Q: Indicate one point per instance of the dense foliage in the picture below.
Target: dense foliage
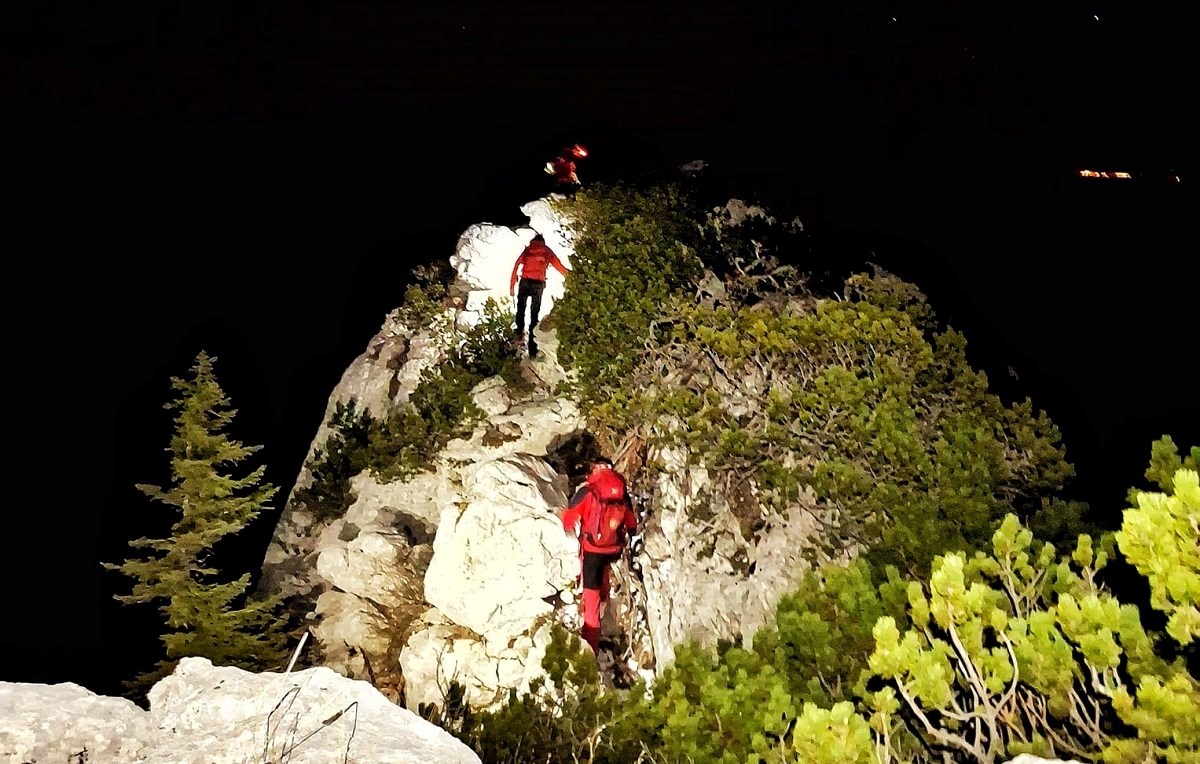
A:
(634, 252)
(1161, 538)
(566, 716)
(206, 614)
(1025, 651)
(854, 407)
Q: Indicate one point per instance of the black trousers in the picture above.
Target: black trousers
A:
(594, 570)
(529, 291)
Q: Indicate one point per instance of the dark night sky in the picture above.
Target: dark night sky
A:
(257, 179)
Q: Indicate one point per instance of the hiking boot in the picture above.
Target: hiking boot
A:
(533, 350)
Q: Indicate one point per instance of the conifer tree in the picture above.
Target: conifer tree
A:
(206, 615)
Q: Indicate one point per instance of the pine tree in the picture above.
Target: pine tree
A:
(205, 615)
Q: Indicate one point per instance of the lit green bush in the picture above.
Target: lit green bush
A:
(1024, 651)
(634, 252)
(857, 402)
(565, 716)
(440, 407)
(822, 633)
(344, 454)
(1161, 538)
(409, 439)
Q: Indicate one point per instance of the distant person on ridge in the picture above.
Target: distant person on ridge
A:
(601, 516)
(530, 267)
(562, 168)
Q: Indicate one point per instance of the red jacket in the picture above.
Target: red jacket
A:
(563, 171)
(532, 263)
(562, 167)
(573, 516)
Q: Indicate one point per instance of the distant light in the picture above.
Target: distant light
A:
(1097, 18)
(1119, 174)
(893, 18)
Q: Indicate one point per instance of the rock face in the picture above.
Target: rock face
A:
(501, 567)
(704, 571)
(66, 722)
(453, 573)
(460, 573)
(202, 714)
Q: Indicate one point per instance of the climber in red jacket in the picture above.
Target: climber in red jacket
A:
(563, 168)
(602, 517)
(531, 265)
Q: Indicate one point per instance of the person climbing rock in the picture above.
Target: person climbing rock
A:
(563, 168)
(601, 516)
(530, 270)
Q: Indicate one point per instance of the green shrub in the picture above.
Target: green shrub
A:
(634, 251)
(1021, 651)
(426, 295)
(821, 636)
(857, 399)
(1161, 538)
(409, 439)
(564, 717)
(440, 408)
(345, 453)
(854, 402)
(722, 708)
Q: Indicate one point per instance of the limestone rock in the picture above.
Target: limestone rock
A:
(458, 573)
(64, 722)
(497, 560)
(203, 714)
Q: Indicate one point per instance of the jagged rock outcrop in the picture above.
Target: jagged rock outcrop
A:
(203, 714)
(459, 573)
(472, 546)
(705, 570)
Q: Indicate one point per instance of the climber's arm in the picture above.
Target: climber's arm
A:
(558, 266)
(512, 282)
(570, 518)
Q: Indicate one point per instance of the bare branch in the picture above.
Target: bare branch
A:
(940, 736)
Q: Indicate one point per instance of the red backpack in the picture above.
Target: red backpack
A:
(603, 516)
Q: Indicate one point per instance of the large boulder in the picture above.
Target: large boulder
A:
(68, 723)
(203, 714)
